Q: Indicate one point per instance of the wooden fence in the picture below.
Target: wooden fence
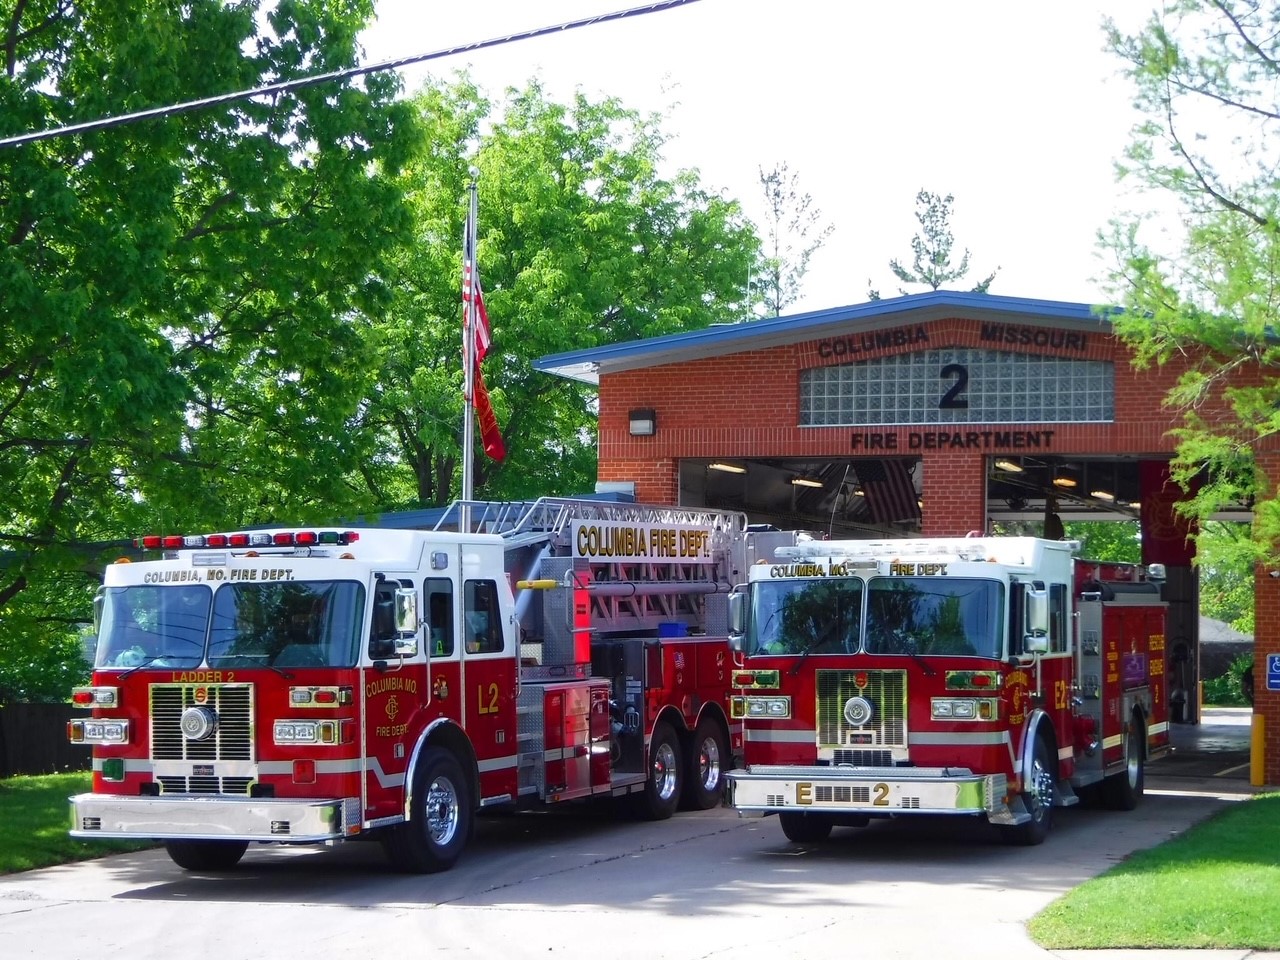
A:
(33, 739)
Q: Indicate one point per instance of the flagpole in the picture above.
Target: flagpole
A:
(468, 354)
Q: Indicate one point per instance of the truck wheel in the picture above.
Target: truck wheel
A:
(704, 781)
(1123, 790)
(441, 819)
(206, 856)
(661, 794)
(805, 827)
(1038, 798)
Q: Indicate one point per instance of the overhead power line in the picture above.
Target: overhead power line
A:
(289, 85)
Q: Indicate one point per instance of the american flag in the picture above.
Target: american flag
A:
(473, 310)
(484, 336)
(890, 489)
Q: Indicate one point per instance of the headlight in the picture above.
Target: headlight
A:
(107, 732)
(305, 731)
(760, 708)
(956, 708)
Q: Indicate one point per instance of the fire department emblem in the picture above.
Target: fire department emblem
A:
(860, 680)
(393, 708)
(440, 689)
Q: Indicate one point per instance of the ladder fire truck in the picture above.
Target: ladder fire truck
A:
(317, 685)
(984, 676)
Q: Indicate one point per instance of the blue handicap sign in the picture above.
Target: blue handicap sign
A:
(1273, 671)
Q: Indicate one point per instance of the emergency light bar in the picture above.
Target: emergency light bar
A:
(966, 549)
(283, 538)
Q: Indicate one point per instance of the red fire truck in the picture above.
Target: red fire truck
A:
(316, 685)
(983, 676)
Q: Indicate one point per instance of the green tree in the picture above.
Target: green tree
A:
(932, 249)
(1224, 557)
(1113, 541)
(793, 233)
(180, 296)
(1204, 72)
(581, 242)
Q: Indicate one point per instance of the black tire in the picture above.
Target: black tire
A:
(441, 817)
(704, 778)
(206, 856)
(805, 827)
(1123, 790)
(665, 777)
(1038, 797)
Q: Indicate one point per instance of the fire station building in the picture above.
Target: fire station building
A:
(939, 414)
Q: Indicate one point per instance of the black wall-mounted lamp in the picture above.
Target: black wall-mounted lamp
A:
(644, 423)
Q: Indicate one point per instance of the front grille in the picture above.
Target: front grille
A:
(234, 786)
(885, 690)
(233, 738)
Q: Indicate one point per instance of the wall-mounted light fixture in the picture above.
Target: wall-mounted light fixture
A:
(806, 482)
(1009, 466)
(644, 423)
(727, 467)
(1106, 495)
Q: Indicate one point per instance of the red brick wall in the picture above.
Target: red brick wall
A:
(1266, 639)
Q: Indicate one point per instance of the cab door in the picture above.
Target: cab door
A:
(395, 691)
(489, 683)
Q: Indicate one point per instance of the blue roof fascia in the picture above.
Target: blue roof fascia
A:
(584, 364)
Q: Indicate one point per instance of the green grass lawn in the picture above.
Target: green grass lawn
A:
(1215, 886)
(34, 819)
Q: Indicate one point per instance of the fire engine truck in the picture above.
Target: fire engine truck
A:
(983, 676)
(317, 685)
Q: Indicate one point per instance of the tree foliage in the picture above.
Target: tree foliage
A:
(793, 233)
(582, 242)
(931, 249)
(250, 313)
(179, 296)
(1205, 74)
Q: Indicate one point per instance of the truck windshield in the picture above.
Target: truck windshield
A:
(924, 616)
(153, 626)
(805, 616)
(304, 623)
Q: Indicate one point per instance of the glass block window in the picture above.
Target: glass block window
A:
(958, 385)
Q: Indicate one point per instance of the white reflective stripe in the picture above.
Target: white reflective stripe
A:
(497, 763)
(283, 767)
(1066, 753)
(781, 736)
(1109, 742)
(1158, 728)
(384, 780)
(984, 738)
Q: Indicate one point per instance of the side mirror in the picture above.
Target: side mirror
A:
(737, 615)
(406, 644)
(1035, 637)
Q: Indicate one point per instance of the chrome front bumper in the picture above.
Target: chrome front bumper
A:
(873, 791)
(99, 816)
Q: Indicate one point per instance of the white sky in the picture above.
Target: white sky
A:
(1012, 106)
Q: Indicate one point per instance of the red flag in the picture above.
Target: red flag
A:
(490, 435)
